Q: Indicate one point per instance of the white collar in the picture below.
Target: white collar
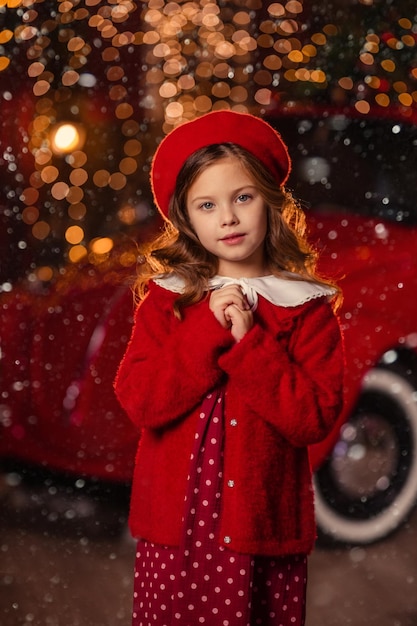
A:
(285, 292)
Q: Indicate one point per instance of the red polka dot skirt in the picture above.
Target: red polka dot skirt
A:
(201, 581)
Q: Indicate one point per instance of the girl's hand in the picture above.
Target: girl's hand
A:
(232, 310)
(220, 299)
(241, 321)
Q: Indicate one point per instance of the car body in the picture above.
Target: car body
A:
(355, 176)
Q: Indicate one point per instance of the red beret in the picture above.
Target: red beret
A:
(248, 131)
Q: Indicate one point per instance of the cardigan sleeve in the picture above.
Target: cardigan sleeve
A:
(169, 364)
(294, 380)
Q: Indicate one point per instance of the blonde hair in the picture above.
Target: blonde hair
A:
(179, 250)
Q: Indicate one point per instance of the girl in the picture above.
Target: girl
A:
(234, 367)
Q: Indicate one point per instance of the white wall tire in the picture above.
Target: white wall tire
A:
(383, 433)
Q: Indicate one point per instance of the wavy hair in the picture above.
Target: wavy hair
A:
(179, 250)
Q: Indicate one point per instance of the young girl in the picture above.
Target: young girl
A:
(233, 369)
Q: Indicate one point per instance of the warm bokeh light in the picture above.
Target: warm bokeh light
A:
(30, 215)
(77, 253)
(67, 137)
(44, 273)
(102, 245)
(41, 230)
(77, 211)
(74, 235)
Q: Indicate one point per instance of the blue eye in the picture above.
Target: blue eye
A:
(244, 197)
(206, 206)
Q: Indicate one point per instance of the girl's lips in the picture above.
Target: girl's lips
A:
(233, 239)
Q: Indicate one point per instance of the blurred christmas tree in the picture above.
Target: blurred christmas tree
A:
(89, 88)
(362, 53)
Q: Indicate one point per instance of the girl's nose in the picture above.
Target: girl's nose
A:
(228, 216)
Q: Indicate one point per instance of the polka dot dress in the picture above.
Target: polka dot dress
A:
(202, 582)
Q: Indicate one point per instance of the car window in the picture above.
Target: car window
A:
(344, 165)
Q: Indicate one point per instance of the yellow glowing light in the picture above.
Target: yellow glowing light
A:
(405, 99)
(6, 35)
(400, 86)
(127, 214)
(70, 78)
(29, 196)
(67, 137)
(303, 74)
(44, 273)
(102, 245)
(30, 215)
(78, 176)
(408, 40)
(242, 18)
(202, 104)
(293, 6)
(382, 99)
(77, 159)
(4, 63)
(77, 253)
(128, 166)
(309, 50)
(174, 110)
(117, 92)
(372, 47)
(224, 50)
(127, 259)
(77, 211)
(394, 43)
(263, 97)
(290, 75)
(346, 83)
(101, 178)
(74, 234)
(60, 190)
(295, 56)
(35, 69)
(41, 230)
(41, 123)
(41, 88)
(288, 26)
(272, 62)
(282, 46)
(123, 111)
(168, 90)
(117, 181)
(319, 39)
(49, 174)
(331, 30)
(318, 76)
(366, 58)
(262, 77)
(132, 147)
(75, 195)
(388, 65)
(276, 9)
(362, 106)
(373, 81)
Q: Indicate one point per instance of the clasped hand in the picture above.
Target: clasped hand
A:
(230, 307)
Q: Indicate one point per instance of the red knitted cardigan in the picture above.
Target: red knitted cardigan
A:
(283, 385)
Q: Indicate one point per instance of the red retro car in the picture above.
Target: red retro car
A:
(355, 175)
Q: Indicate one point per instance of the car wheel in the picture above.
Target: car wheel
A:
(368, 485)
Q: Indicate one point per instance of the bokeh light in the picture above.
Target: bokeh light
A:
(101, 82)
(66, 138)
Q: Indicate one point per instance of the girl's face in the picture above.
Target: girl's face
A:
(229, 217)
